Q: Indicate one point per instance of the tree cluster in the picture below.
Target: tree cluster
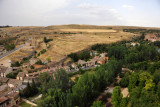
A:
(82, 55)
(13, 75)
(39, 62)
(30, 90)
(47, 40)
(15, 64)
(9, 47)
(61, 91)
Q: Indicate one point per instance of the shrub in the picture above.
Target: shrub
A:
(108, 95)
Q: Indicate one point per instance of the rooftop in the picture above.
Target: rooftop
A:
(3, 79)
(3, 99)
(15, 82)
(21, 74)
(3, 69)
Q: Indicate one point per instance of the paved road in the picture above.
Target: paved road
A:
(10, 52)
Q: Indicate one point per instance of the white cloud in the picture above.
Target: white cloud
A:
(100, 14)
(129, 7)
(29, 12)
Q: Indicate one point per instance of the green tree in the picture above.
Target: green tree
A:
(86, 85)
(118, 51)
(44, 77)
(73, 56)
(45, 40)
(16, 64)
(34, 88)
(39, 62)
(9, 47)
(32, 67)
(142, 36)
(124, 102)
(27, 92)
(124, 82)
(133, 80)
(48, 59)
(158, 90)
(62, 80)
(97, 104)
(116, 96)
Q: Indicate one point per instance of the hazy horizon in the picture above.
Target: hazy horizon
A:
(142, 13)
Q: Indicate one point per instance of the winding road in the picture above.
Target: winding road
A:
(10, 52)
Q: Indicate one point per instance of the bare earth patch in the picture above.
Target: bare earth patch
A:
(124, 92)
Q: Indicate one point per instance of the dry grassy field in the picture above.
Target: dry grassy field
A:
(88, 30)
(81, 37)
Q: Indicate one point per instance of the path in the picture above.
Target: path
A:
(38, 97)
(29, 102)
(10, 52)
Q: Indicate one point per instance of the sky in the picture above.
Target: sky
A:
(93, 12)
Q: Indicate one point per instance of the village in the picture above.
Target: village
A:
(15, 77)
(26, 73)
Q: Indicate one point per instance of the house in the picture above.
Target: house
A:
(1, 48)
(151, 37)
(34, 74)
(14, 83)
(3, 87)
(4, 71)
(103, 54)
(4, 80)
(82, 63)
(14, 98)
(90, 63)
(33, 61)
(10, 100)
(134, 44)
(26, 65)
(30, 79)
(4, 101)
(74, 66)
(101, 60)
(21, 76)
(44, 61)
(67, 68)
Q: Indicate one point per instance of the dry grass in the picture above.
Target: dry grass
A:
(62, 45)
(17, 55)
(88, 30)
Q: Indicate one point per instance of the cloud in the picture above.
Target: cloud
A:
(100, 14)
(53, 12)
(129, 7)
(29, 12)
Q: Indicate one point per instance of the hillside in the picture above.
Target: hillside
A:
(68, 38)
